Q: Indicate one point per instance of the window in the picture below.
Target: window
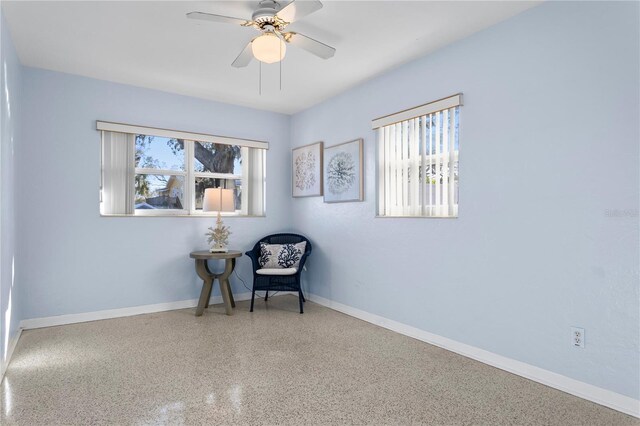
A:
(148, 171)
(418, 160)
(159, 173)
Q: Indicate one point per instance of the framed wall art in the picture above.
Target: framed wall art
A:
(307, 170)
(343, 178)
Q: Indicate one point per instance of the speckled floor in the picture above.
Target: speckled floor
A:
(274, 366)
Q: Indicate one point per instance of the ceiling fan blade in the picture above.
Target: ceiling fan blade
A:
(310, 45)
(244, 57)
(218, 18)
(298, 9)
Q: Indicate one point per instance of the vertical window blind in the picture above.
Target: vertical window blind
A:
(118, 172)
(418, 160)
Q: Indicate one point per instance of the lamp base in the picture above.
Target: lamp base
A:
(218, 237)
(218, 250)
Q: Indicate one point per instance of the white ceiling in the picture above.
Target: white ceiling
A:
(151, 44)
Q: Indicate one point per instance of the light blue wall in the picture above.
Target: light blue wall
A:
(71, 259)
(10, 306)
(548, 231)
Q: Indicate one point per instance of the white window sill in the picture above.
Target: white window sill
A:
(196, 215)
(416, 217)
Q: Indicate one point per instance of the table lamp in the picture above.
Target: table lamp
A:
(220, 200)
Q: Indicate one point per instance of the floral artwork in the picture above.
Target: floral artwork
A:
(307, 170)
(304, 169)
(343, 172)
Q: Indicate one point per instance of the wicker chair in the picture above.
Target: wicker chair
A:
(278, 282)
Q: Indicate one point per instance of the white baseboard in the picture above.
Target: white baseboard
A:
(583, 390)
(121, 312)
(126, 312)
(12, 345)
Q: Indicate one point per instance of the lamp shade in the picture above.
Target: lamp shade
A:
(268, 48)
(218, 200)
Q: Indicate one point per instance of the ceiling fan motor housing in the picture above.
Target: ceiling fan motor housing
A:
(266, 14)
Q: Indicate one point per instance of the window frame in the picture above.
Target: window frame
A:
(160, 212)
(189, 173)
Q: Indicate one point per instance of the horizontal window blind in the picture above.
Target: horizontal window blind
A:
(418, 161)
(419, 111)
(178, 134)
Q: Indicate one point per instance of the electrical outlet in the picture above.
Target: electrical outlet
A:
(577, 337)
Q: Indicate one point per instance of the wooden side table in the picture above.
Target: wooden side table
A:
(208, 277)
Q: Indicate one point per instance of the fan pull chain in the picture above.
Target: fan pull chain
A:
(280, 45)
(260, 80)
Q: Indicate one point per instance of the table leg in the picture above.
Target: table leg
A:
(225, 287)
(209, 293)
(205, 264)
(226, 295)
(233, 302)
(203, 272)
(204, 299)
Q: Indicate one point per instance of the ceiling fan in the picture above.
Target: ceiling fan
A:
(271, 19)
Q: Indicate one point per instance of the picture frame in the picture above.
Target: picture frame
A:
(343, 172)
(306, 170)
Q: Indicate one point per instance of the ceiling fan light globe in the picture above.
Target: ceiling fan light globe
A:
(268, 48)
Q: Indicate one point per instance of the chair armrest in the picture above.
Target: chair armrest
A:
(254, 259)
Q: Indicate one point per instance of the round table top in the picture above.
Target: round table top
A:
(206, 254)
